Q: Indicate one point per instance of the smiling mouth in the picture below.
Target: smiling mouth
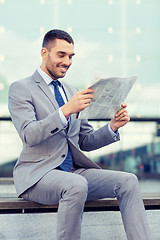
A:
(63, 69)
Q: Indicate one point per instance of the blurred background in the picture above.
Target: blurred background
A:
(113, 37)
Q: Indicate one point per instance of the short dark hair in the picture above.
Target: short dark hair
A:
(56, 34)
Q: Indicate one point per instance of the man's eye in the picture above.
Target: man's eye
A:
(61, 55)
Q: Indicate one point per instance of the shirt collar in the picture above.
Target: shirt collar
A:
(46, 77)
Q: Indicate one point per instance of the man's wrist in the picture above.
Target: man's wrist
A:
(113, 134)
(114, 129)
(63, 118)
(67, 113)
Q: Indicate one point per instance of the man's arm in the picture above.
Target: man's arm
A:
(32, 127)
(91, 140)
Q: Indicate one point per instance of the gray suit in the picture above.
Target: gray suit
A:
(35, 114)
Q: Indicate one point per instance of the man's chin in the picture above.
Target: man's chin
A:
(57, 74)
(62, 75)
(55, 77)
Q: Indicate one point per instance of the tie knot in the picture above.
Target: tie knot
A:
(55, 83)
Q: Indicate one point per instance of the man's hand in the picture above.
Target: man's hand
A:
(78, 102)
(121, 118)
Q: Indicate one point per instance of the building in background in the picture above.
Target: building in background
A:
(114, 37)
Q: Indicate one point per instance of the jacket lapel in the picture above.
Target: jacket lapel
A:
(44, 87)
(46, 90)
(67, 91)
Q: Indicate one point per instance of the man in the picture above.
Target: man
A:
(51, 169)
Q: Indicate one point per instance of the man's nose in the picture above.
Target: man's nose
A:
(67, 61)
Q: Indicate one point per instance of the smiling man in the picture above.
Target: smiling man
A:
(51, 168)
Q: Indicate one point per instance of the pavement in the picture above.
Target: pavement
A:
(96, 226)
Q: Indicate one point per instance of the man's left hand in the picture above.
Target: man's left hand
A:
(121, 118)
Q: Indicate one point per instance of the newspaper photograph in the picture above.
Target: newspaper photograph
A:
(109, 94)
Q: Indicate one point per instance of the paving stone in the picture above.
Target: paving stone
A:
(96, 226)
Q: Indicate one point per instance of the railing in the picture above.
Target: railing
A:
(133, 119)
(138, 151)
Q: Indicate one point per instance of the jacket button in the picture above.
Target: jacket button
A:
(55, 130)
(63, 155)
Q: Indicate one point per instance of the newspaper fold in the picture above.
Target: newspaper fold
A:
(108, 96)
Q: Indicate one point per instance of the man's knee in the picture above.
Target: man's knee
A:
(128, 184)
(80, 187)
(131, 182)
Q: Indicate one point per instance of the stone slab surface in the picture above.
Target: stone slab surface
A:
(96, 226)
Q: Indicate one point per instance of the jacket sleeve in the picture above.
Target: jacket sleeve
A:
(90, 139)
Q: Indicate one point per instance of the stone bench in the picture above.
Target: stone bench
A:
(10, 203)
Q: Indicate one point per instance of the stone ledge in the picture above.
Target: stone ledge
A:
(10, 203)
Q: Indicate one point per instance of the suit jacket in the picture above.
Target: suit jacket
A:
(34, 112)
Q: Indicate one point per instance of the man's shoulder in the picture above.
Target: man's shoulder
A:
(24, 81)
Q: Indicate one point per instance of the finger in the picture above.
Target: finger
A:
(123, 105)
(123, 115)
(87, 91)
(121, 111)
(85, 104)
(83, 95)
(86, 101)
(124, 119)
(83, 100)
(88, 96)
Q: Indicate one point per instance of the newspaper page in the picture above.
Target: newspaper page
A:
(108, 96)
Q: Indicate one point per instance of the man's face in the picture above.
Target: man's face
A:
(57, 61)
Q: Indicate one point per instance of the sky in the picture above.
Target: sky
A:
(114, 37)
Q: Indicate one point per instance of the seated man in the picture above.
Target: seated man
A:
(51, 168)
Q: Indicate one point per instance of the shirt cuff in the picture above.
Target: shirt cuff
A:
(113, 134)
(63, 119)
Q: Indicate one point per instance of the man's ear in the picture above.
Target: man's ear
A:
(44, 53)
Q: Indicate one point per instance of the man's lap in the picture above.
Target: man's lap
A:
(101, 184)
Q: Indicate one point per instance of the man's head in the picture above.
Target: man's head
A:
(57, 52)
(54, 34)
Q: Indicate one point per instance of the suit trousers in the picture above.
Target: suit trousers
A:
(72, 189)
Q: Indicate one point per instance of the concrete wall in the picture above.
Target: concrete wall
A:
(96, 226)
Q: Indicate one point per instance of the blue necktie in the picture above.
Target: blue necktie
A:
(57, 93)
(68, 162)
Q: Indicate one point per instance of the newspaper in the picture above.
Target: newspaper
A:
(109, 94)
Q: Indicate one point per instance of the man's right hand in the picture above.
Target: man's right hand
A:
(78, 102)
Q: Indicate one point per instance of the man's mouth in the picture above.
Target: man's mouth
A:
(63, 69)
